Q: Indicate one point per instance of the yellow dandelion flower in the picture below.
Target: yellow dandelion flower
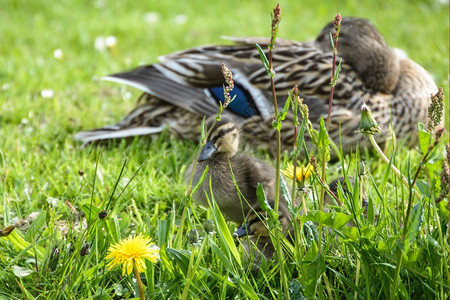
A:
(301, 173)
(131, 252)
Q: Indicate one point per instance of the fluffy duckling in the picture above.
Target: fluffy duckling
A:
(219, 153)
(257, 232)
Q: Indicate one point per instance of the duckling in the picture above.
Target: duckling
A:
(257, 232)
(187, 85)
(219, 153)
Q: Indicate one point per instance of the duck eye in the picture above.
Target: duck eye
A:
(221, 133)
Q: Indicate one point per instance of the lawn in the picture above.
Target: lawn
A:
(52, 56)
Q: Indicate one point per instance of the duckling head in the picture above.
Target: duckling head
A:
(256, 221)
(224, 139)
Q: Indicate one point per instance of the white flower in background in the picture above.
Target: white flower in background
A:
(33, 216)
(180, 19)
(58, 53)
(99, 43)
(151, 17)
(110, 41)
(27, 189)
(52, 201)
(47, 94)
(127, 96)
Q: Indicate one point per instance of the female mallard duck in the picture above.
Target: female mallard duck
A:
(220, 155)
(187, 85)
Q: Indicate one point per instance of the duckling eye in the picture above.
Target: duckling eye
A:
(221, 133)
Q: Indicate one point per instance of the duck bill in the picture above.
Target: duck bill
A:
(243, 230)
(207, 151)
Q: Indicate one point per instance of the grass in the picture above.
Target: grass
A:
(42, 167)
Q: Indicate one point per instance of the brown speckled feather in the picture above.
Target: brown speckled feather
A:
(177, 90)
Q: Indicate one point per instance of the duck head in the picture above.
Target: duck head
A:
(256, 221)
(362, 46)
(224, 139)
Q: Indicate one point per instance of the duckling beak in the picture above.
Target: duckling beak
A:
(243, 230)
(207, 151)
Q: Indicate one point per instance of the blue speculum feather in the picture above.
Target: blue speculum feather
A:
(240, 105)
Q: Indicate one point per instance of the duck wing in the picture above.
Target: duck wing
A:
(197, 76)
(150, 80)
(192, 81)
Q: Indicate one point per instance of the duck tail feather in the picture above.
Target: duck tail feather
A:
(113, 132)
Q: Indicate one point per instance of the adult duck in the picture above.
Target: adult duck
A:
(186, 86)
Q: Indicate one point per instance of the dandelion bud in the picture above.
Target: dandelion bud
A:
(209, 226)
(192, 236)
(368, 125)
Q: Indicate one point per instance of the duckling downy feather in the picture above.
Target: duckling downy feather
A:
(219, 153)
(255, 231)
